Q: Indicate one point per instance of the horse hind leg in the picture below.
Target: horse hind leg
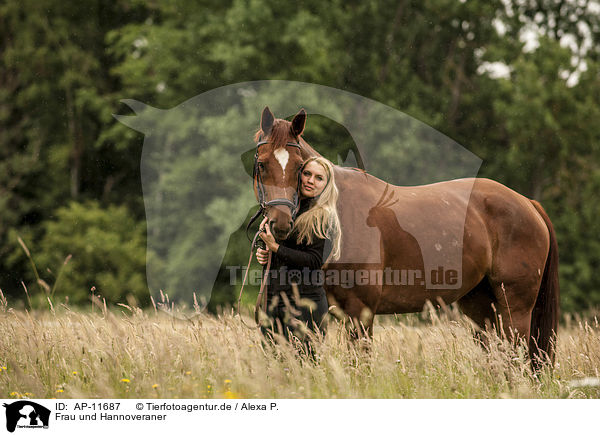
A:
(504, 308)
(478, 304)
(515, 302)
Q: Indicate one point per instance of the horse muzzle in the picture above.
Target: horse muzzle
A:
(281, 225)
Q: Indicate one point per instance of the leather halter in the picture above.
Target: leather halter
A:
(263, 204)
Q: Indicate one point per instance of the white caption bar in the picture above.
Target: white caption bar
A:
(151, 416)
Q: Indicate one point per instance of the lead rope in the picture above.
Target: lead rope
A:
(261, 300)
(262, 294)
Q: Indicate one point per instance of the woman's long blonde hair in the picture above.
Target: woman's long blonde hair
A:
(322, 219)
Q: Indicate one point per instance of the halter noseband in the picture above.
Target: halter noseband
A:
(293, 205)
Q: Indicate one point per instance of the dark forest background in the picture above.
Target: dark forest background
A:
(515, 82)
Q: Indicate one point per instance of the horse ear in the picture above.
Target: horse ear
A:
(266, 120)
(299, 122)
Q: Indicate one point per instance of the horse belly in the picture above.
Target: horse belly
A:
(405, 290)
(456, 270)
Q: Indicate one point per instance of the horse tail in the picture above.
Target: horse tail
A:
(544, 318)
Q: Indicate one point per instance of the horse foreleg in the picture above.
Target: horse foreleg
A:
(355, 316)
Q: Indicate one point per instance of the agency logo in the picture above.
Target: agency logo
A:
(25, 414)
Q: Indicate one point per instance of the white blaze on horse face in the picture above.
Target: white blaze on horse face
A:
(282, 156)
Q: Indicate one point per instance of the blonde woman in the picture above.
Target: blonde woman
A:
(299, 259)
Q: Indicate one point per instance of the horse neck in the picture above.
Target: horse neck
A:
(308, 151)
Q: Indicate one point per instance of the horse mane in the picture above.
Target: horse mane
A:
(279, 135)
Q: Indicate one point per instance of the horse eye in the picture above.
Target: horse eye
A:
(261, 166)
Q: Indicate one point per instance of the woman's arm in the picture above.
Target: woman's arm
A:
(311, 256)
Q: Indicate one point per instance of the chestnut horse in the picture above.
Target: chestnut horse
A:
(507, 256)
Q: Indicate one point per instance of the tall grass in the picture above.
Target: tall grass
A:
(133, 353)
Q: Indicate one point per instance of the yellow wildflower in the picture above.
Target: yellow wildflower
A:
(228, 381)
(60, 390)
(125, 380)
(231, 395)
(188, 373)
(155, 386)
(74, 373)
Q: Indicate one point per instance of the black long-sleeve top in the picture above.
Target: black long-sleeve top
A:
(300, 263)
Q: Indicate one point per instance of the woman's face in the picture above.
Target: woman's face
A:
(313, 180)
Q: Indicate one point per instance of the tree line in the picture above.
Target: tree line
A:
(515, 82)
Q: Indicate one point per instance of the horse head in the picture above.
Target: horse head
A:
(277, 165)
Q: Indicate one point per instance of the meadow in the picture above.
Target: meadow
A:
(131, 353)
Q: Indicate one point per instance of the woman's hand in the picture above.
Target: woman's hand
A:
(267, 237)
(262, 256)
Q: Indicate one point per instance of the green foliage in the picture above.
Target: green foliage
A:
(65, 66)
(107, 241)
